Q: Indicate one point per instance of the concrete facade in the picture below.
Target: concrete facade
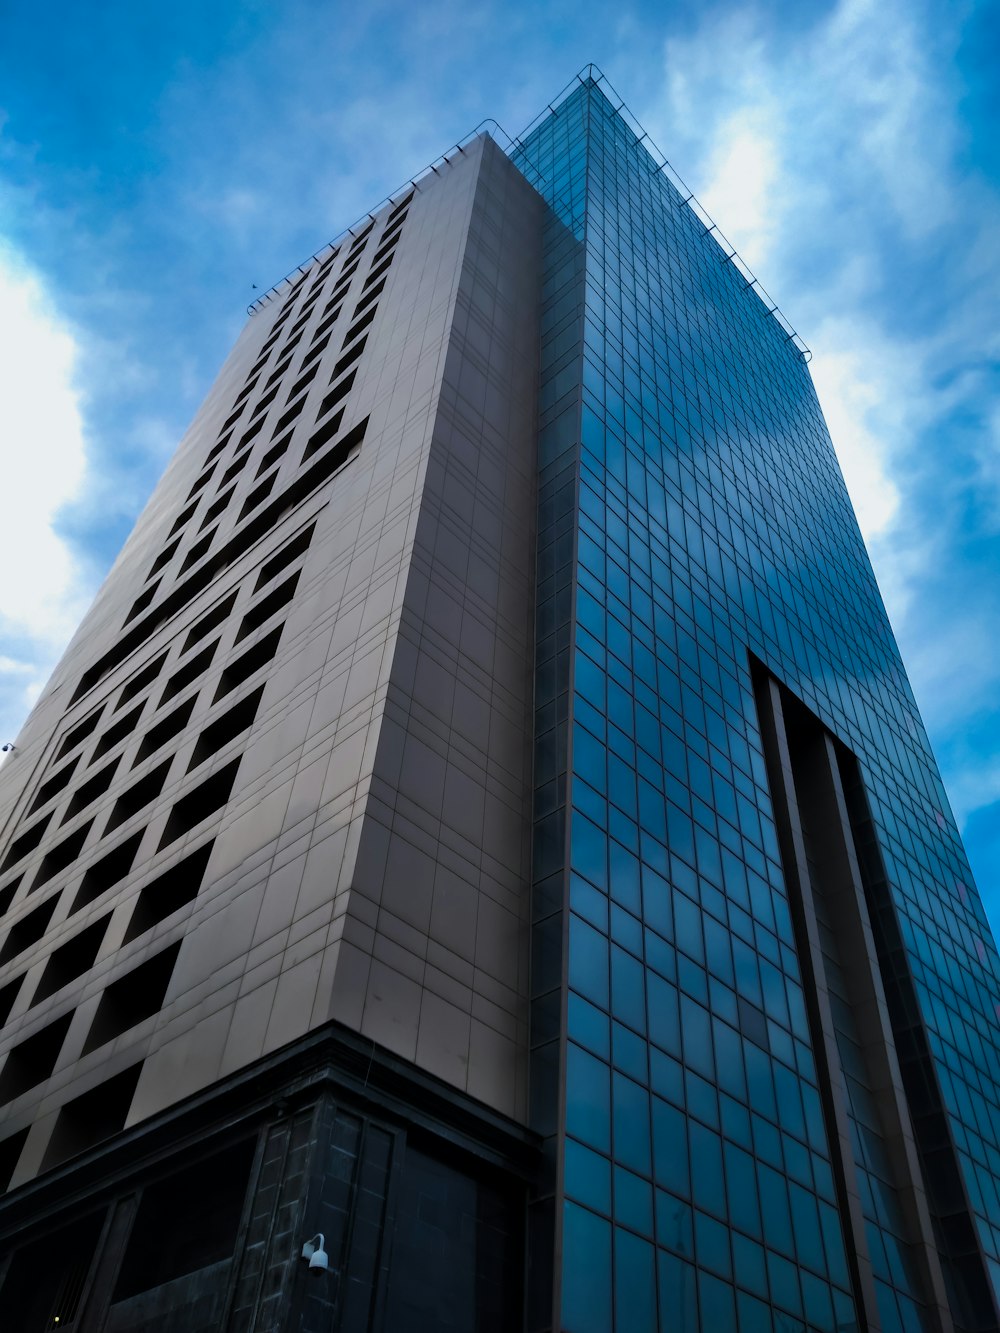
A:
(370, 861)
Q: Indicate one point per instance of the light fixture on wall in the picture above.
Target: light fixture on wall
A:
(315, 1251)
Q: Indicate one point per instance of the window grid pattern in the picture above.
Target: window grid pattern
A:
(706, 472)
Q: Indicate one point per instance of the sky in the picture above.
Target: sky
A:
(158, 161)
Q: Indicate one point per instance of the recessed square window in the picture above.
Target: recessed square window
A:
(28, 930)
(216, 617)
(79, 733)
(62, 855)
(89, 792)
(71, 959)
(104, 874)
(200, 804)
(132, 998)
(190, 672)
(33, 1061)
(140, 680)
(169, 892)
(138, 796)
(122, 728)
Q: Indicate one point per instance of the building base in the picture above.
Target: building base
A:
(194, 1221)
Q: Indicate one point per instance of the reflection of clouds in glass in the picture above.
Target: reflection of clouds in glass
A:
(835, 157)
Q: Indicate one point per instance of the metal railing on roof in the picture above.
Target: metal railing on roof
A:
(591, 74)
(490, 127)
(594, 75)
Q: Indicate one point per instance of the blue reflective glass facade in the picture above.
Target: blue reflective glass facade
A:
(726, 1145)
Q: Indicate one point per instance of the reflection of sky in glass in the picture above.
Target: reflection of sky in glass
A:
(697, 1170)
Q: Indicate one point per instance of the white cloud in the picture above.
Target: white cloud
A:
(42, 467)
(742, 173)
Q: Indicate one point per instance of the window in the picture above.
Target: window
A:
(226, 728)
(61, 856)
(195, 668)
(169, 892)
(324, 435)
(138, 796)
(33, 1061)
(209, 622)
(359, 241)
(288, 417)
(307, 310)
(79, 733)
(54, 785)
(265, 350)
(283, 558)
(122, 728)
(71, 959)
(315, 351)
(214, 452)
(140, 681)
(234, 470)
(202, 482)
(337, 394)
(88, 793)
(349, 357)
(141, 602)
(257, 496)
(7, 894)
(326, 325)
(198, 805)
(218, 506)
(163, 559)
(273, 454)
(366, 301)
(335, 458)
(28, 931)
(187, 1221)
(250, 434)
(246, 391)
(92, 1117)
(26, 843)
(266, 401)
(398, 208)
(132, 998)
(232, 418)
(386, 249)
(171, 726)
(10, 1154)
(304, 380)
(199, 549)
(182, 518)
(292, 342)
(279, 370)
(376, 272)
(360, 324)
(7, 997)
(244, 667)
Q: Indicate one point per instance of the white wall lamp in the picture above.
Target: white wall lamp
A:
(315, 1251)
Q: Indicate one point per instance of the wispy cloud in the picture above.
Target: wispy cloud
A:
(42, 593)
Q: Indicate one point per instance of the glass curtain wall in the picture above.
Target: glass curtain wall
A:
(692, 513)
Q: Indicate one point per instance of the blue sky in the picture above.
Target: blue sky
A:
(155, 161)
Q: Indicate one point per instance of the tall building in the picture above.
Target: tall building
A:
(479, 865)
